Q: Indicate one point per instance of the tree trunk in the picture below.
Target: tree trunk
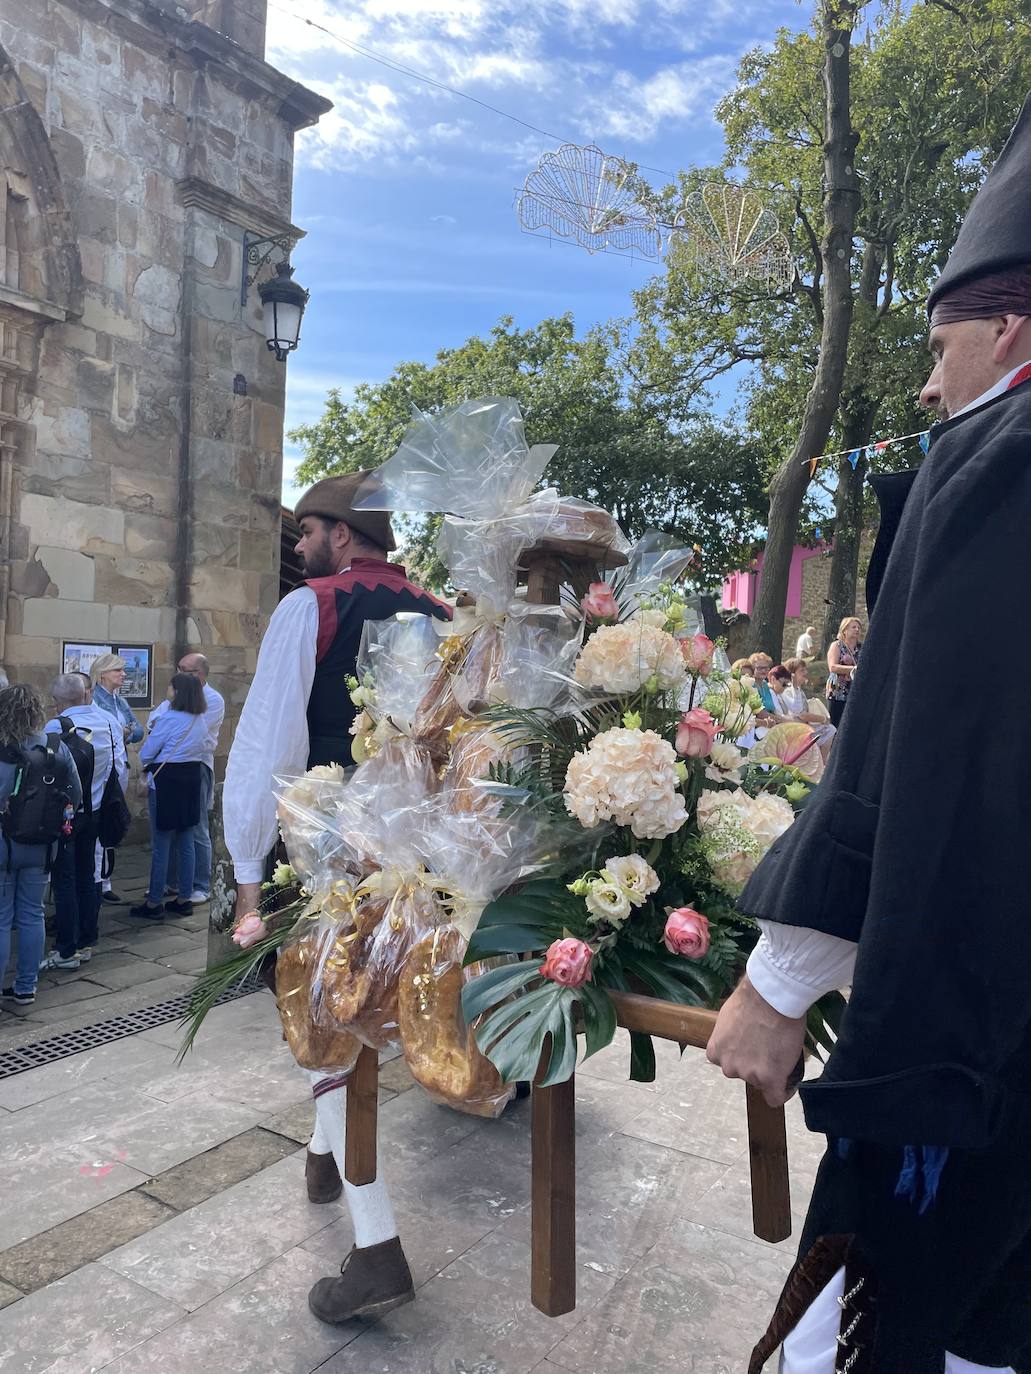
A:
(840, 205)
(859, 413)
(848, 533)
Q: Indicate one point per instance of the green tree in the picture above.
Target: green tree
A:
(934, 90)
(694, 477)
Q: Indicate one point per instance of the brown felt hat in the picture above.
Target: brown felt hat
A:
(333, 498)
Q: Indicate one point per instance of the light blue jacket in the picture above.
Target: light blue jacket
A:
(118, 707)
(175, 737)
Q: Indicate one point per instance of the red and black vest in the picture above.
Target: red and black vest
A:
(369, 589)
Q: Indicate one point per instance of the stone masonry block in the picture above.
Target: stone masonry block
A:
(138, 492)
(86, 620)
(150, 536)
(143, 624)
(72, 573)
(224, 588)
(158, 291)
(134, 581)
(64, 524)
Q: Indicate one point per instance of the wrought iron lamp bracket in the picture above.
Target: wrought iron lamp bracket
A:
(258, 253)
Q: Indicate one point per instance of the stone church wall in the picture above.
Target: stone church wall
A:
(140, 411)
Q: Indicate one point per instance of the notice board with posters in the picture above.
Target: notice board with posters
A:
(79, 657)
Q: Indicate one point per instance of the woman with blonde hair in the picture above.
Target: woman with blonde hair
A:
(842, 658)
(107, 674)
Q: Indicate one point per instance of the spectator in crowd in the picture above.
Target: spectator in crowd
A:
(741, 667)
(761, 664)
(97, 748)
(23, 866)
(842, 658)
(806, 644)
(196, 665)
(4, 681)
(173, 755)
(87, 682)
(790, 703)
(108, 676)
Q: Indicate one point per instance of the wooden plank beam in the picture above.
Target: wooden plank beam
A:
(667, 1020)
(362, 1120)
(768, 1162)
(553, 1207)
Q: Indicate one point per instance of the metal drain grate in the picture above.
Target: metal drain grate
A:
(74, 1042)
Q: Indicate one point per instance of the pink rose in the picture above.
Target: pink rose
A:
(698, 652)
(568, 962)
(696, 733)
(600, 602)
(250, 930)
(687, 933)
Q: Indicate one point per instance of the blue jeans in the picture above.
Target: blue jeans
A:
(22, 882)
(201, 843)
(163, 844)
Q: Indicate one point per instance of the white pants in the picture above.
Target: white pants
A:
(812, 1346)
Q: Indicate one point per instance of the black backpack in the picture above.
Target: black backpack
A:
(38, 808)
(84, 757)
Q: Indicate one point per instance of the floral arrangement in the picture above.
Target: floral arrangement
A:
(655, 759)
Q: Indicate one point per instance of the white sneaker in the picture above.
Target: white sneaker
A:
(84, 955)
(54, 960)
(199, 897)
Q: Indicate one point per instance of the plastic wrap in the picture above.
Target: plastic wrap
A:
(472, 460)
(654, 559)
(572, 522)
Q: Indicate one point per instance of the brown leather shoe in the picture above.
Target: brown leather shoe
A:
(322, 1177)
(372, 1282)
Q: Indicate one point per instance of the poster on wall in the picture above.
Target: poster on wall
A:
(137, 686)
(137, 689)
(79, 658)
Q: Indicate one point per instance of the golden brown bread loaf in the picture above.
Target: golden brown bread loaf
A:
(472, 753)
(313, 1046)
(438, 710)
(439, 1047)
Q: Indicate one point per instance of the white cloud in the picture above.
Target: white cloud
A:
(563, 65)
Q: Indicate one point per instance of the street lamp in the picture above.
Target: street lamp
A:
(283, 301)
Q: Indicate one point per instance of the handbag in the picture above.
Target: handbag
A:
(115, 816)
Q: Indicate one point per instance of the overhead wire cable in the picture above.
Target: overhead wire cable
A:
(403, 70)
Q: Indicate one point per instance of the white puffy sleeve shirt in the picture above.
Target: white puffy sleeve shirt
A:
(271, 739)
(792, 967)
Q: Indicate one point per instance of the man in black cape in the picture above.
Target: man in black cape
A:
(912, 863)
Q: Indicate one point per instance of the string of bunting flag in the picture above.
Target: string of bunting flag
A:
(871, 450)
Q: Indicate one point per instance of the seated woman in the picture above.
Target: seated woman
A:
(172, 755)
(790, 702)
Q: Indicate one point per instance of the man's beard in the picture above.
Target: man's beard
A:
(318, 563)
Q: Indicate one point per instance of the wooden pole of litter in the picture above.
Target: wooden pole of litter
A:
(362, 1113)
(768, 1161)
(553, 1194)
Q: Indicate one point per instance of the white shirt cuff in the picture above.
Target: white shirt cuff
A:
(792, 967)
(249, 870)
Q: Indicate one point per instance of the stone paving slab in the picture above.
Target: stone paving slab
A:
(259, 1326)
(66, 1075)
(197, 1179)
(8, 1294)
(63, 1249)
(81, 1323)
(198, 1255)
(66, 1180)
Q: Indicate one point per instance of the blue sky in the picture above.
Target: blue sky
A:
(407, 192)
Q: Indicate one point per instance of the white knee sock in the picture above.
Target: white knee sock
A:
(372, 1214)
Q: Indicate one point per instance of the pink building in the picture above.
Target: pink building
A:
(741, 588)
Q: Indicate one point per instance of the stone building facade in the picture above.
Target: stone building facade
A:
(816, 575)
(141, 414)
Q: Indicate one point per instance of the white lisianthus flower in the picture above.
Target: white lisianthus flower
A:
(725, 762)
(608, 902)
(283, 875)
(651, 615)
(627, 776)
(622, 658)
(636, 877)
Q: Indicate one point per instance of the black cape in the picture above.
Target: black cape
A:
(917, 845)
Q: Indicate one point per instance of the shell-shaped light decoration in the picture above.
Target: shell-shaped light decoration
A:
(731, 233)
(582, 195)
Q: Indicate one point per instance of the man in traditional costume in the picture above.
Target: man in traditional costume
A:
(907, 877)
(298, 714)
